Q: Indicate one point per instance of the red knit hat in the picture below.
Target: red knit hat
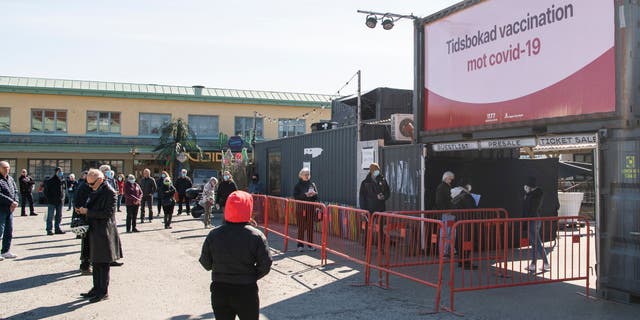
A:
(239, 207)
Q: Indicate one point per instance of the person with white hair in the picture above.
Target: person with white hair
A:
(443, 202)
(8, 203)
(208, 200)
(305, 190)
(72, 186)
(182, 183)
(132, 200)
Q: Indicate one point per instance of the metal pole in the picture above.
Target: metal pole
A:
(419, 79)
(358, 115)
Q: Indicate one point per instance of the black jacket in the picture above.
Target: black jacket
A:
(182, 184)
(8, 193)
(463, 201)
(26, 184)
(82, 193)
(443, 196)
(225, 188)
(369, 190)
(72, 186)
(104, 241)
(301, 188)
(148, 186)
(54, 190)
(236, 253)
(165, 195)
(532, 203)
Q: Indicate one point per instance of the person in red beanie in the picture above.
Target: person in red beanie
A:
(237, 254)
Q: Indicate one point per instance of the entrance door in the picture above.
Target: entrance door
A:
(274, 185)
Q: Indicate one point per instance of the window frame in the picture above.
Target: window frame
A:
(108, 132)
(151, 113)
(300, 123)
(37, 173)
(42, 129)
(8, 109)
(259, 127)
(217, 118)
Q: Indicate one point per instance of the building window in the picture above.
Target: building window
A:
(43, 169)
(583, 157)
(150, 123)
(290, 127)
(204, 126)
(15, 172)
(244, 127)
(5, 119)
(116, 165)
(101, 122)
(48, 121)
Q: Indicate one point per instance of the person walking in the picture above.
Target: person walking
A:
(305, 190)
(72, 187)
(82, 194)
(26, 189)
(255, 186)
(225, 188)
(159, 182)
(103, 238)
(531, 207)
(132, 199)
(208, 200)
(120, 184)
(8, 203)
(443, 202)
(148, 186)
(54, 190)
(237, 254)
(166, 192)
(182, 184)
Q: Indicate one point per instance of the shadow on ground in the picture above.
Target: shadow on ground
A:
(36, 281)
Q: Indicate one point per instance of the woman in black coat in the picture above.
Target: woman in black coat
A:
(166, 192)
(374, 190)
(104, 241)
(225, 188)
(305, 190)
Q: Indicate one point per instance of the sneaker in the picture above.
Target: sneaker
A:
(545, 267)
(311, 249)
(531, 267)
(59, 232)
(49, 233)
(9, 255)
(1, 258)
(135, 230)
(300, 249)
(33, 214)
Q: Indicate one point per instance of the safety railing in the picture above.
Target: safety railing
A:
(306, 225)
(531, 251)
(346, 232)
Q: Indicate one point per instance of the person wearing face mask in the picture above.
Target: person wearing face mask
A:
(255, 186)
(166, 192)
(120, 184)
(182, 184)
(72, 186)
(531, 207)
(305, 190)
(374, 190)
(26, 188)
(149, 186)
(54, 191)
(208, 200)
(132, 199)
(159, 182)
(225, 188)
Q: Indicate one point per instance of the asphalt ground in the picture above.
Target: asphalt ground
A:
(162, 279)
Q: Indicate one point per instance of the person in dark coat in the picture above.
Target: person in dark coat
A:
(237, 254)
(163, 175)
(531, 207)
(461, 199)
(26, 188)
(443, 202)
(255, 186)
(305, 190)
(132, 199)
(103, 238)
(72, 187)
(8, 203)
(82, 194)
(224, 189)
(166, 192)
(54, 190)
(374, 190)
(182, 184)
(148, 186)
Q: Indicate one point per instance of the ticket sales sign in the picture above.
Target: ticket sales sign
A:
(502, 61)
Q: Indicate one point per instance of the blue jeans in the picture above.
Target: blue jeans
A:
(536, 243)
(6, 230)
(50, 209)
(71, 196)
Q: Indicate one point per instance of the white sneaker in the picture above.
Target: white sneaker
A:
(300, 249)
(531, 267)
(545, 267)
(311, 248)
(9, 255)
(1, 258)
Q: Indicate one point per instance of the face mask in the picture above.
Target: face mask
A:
(527, 189)
(163, 175)
(184, 174)
(132, 180)
(60, 174)
(376, 173)
(119, 179)
(254, 179)
(225, 177)
(166, 183)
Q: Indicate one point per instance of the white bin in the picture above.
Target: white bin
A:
(570, 203)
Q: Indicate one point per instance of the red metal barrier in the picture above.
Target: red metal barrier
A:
(499, 253)
(406, 246)
(346, 232)
(260, 213)
(306, 224)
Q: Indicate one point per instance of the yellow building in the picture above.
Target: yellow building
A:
(73, 124)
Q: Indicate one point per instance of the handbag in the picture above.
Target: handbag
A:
(197, 211)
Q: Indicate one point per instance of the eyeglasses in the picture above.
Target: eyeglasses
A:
(92, 183)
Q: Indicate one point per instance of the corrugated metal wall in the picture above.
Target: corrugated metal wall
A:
(333, 170)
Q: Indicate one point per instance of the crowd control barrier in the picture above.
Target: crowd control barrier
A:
(346, 233)
(518, 258)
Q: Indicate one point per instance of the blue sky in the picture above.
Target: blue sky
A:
(283, 45)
